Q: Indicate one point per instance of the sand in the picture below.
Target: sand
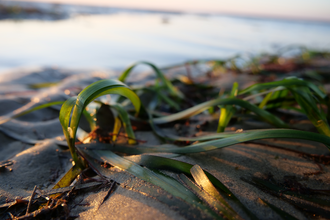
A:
(44, 162)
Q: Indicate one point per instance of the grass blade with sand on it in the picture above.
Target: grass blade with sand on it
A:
(203, 181)
(93, 91)
(214, 204)
(169, 185)
(164, 163)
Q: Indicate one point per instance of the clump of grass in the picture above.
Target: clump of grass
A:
(206, 192)
(307, 96)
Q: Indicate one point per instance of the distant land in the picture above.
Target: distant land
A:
(84, 7)
(308, 10)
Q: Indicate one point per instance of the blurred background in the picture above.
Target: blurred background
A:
(112, 34)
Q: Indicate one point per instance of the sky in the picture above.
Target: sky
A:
(296, 9)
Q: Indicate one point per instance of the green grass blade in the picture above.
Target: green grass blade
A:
(126, 123)
(147, 175)
(163, 163)
(43, 85)
(265, 100)
(279, 99)
(258, 94)
(228, 101)
(159, 74)
(64, 118)
(116, 128)
(249, 136)
(87, 95)
(289, 82)
(308, 105)
(228, 111)
(220, 143)
(225, 115)
(207, 137)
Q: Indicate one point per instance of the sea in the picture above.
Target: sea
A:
(93, 37)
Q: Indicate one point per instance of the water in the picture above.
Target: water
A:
(114, 41)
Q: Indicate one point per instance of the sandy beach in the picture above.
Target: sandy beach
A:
(130, 159)
(38, 160)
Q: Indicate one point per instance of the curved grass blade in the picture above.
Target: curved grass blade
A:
(220, 143)
(228, 101)
(30, 107)
(265, 100)
(276, 89)
(126, 123)
(208, 137)
(159, 74)
(274, 101)
(78, 104)
(300, 89)
(169, 185)
(288, 82)
(64, 118)
(308, 105)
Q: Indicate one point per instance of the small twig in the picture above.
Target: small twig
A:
(30, 201)
(108, 193)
